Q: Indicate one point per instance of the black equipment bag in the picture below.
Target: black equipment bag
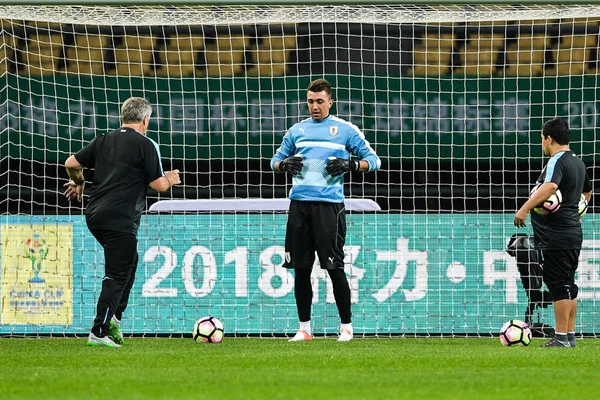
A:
(520, 246)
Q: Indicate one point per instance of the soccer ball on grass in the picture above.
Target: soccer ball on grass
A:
(515, 333)
(208, 330)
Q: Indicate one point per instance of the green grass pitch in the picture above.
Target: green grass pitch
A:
(390, 368)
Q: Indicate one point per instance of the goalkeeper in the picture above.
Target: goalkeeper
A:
(316, 152)
(125, 163)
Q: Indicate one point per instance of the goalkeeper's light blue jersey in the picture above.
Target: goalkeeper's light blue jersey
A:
(316, 141)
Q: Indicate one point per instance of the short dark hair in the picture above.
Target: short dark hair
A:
(320, 85)
(557, 129)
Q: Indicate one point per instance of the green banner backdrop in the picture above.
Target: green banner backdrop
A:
(426, 274)
(446, 118)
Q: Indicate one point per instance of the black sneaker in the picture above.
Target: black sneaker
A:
(571, 339)
(554, 342)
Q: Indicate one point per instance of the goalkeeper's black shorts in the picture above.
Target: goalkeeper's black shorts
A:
(315, 226)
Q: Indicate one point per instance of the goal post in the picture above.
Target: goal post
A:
(451, 96)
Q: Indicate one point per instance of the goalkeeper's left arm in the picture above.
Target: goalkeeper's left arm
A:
(367, 158)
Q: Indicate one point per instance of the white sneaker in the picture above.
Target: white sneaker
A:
(301, 336)
(345, 335)
(105, 341)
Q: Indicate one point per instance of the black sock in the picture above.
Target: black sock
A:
(561, 337)
(341, 292)
(303, 293)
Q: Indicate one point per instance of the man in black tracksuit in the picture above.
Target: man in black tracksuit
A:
(126, 162)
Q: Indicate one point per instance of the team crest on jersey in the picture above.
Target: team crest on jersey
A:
(333, 130)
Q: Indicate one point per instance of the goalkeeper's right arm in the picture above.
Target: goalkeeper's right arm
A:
(284, 159)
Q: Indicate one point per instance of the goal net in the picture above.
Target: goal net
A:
(452, 98)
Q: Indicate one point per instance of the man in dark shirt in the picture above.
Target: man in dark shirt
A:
(558, 236)
(125, 161)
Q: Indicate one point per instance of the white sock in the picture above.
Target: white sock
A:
(305, 326)
(347, 327)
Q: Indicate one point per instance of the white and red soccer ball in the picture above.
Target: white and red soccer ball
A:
(583, 205)
(515, 333)
(551, 205)
(208, 330)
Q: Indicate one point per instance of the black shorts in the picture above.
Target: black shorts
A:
(559, 267)
(315, 226)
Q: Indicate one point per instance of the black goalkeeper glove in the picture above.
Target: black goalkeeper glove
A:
(339, 166)
(293, 165)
